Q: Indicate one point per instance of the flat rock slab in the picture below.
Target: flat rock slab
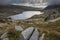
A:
(35, 35)
(4, 35)
(18, 28)
(5, 39)
(25, 35)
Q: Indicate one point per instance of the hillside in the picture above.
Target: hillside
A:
(40, 22)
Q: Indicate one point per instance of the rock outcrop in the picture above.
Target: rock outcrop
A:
(35, 35)
(25, 35)
(29, 34)
(4, 35)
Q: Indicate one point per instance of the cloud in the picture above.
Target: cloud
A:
(53, 2)
(50, 2)
(5, 2)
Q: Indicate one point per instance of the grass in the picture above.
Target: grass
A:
(12, 33)
(52, 30)
(14, 36)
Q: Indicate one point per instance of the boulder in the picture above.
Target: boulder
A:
(4, 35)
(35, 35)
(5, 39)
(42, 36)
(25, 35)
(18, 28)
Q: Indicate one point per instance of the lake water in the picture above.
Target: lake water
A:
(25, 15)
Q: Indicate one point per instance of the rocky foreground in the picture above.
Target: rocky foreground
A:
(30, 30)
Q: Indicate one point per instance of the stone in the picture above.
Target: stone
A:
(18, 28)
(4, 35)
(25, 35)
(5, 39)
(42, 36)
(35, 35)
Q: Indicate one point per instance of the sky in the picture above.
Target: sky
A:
(53, 2)
(50, 2)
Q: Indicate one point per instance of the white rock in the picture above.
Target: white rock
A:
(26, 33)
(4, 35)
(5, 39)
(18, 28)
(35, 35)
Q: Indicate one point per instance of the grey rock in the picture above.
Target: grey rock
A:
(25, 35)
(42, 36)
(18, 28)
(4, 35)
(5, 39)
(54, 20)
(35, 35)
